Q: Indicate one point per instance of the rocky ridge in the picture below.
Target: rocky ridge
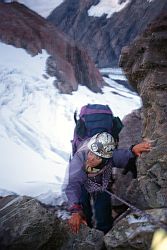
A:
(69, 64)
(145, 65)
(105, 37)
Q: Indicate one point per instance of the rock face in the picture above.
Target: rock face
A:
(145, 65)
(104, 37)
(131, 132)
(27, 224)
(135, 231)
(68, 63)
(123, 186)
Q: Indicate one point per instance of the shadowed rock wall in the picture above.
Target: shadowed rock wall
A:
(145, 65)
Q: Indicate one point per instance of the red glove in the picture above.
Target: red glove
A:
(138, 149)
(75, 221)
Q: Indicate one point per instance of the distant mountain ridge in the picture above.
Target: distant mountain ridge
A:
(70, 65)
(105, 37)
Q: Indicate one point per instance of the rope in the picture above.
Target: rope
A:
(137, 210)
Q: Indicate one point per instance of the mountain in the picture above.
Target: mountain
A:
(145, 64)
(69, 64)
(36, 125)
(104, 27)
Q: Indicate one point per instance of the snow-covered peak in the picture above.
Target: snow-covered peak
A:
(108, 7)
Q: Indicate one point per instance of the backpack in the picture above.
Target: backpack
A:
(93, 119)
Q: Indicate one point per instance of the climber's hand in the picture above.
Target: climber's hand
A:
(75, 222)
(144, 146)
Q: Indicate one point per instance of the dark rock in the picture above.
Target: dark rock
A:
(27, 224)
(131, 132)
(70, 64)
(125, 186)
(135, 231)
(104, 37)
(145, 65)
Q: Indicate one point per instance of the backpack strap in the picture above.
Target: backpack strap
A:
(75, 116)
(117, 127)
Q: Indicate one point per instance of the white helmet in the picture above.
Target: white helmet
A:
(102, 144)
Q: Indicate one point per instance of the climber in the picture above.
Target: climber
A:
(90, 174)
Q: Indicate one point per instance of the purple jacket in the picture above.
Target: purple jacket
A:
(78, 176)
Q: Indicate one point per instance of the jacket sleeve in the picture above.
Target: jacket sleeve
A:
(76, 178)
(121, 157)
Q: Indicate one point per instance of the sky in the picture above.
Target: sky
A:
(43, 7)
(108, 7)
(36, 123)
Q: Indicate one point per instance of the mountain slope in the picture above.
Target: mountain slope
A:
(68, 63)
(103, 34)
